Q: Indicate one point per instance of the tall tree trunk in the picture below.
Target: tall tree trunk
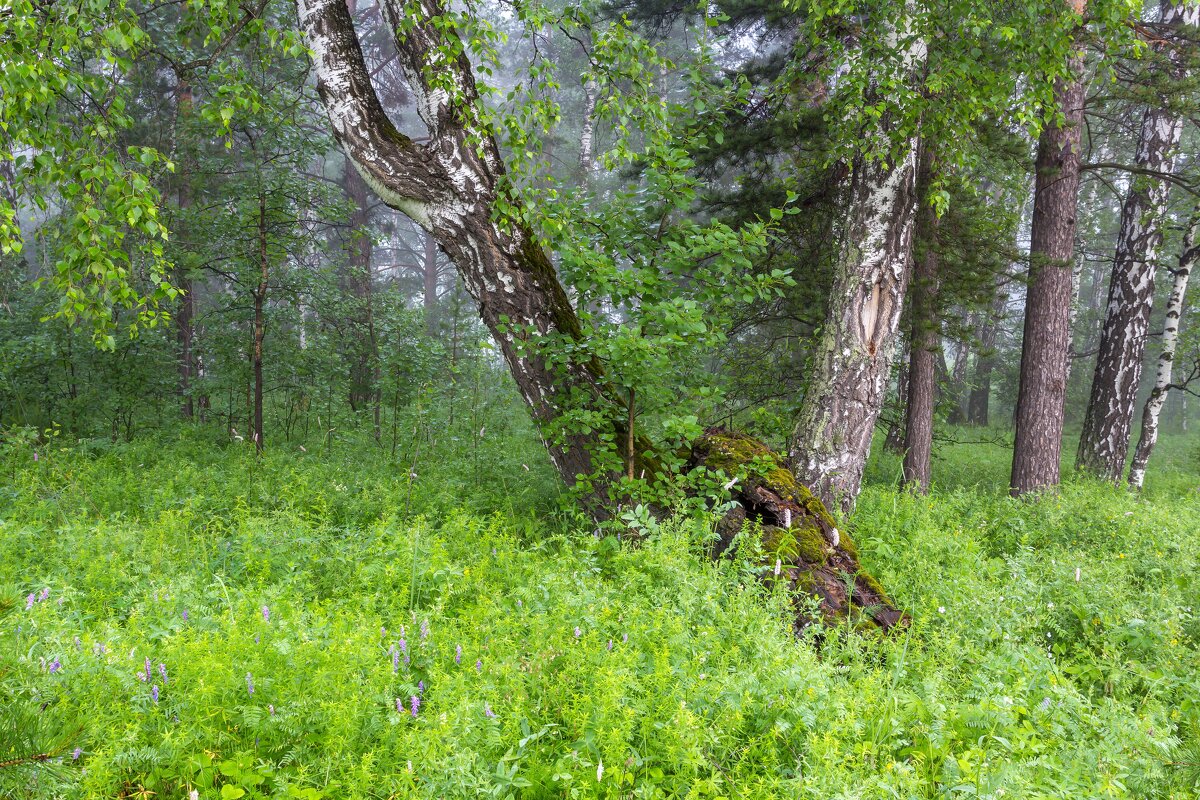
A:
(1166, 359)
(852, 362)
(358, 281)
(925, 338)
(1109, 421)
(588, 131)
(985, 362)
(894, 441)
(1047, 337)
(450, 187)
(260, 297)
(429, 273)
(185, 318)
(958, 383)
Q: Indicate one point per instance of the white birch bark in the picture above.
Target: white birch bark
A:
(1166, 359)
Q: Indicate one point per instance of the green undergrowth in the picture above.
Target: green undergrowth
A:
(1053, 650)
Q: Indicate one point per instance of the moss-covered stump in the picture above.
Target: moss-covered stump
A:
(798, 536)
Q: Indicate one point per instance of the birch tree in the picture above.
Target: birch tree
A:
(1188, 256)
(1108, 425)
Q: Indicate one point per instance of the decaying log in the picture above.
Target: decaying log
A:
(801, 542)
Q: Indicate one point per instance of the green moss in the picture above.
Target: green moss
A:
(869, 580)
(810, 544)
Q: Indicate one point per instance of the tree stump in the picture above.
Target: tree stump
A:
(797, 533)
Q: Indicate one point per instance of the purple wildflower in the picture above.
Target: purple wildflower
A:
(1045, 703)
(29, 601)
(55, 666)
(395, 661)
(415, 703)
(458, 654)
(78, 644)
(487, 710)
(45, 594)
(162, 670)
(479, 666)
(271, 709)
(578, 632)
(185, 615)
(382, 632)
(424, 629)
(518, 603)
(399, 706)
(35, 456)
(624, 637)
(249, 683)
(154, 693)
(75, 755)
(266, 614)
(421, 687)
(149, 670)
(610, 644)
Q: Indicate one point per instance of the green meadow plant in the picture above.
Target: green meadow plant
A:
(191, 621)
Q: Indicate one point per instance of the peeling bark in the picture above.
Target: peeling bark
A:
(852, 361)
(1166, 359)
(1109, 422)
(1046, 342)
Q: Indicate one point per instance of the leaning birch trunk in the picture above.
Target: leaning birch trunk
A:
(1108, 424)
(852, 361)
(1166, 359)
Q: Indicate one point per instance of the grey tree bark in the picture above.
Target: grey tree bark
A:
(1108, 424)
(1166, 359)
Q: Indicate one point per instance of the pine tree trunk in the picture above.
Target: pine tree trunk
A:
(1162, 379)
(1047, 337)
(1109, 422)
(925, 338)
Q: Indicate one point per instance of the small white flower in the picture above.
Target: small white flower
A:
(837, 537)
(941, 609)
(787, 519)
(778, 566)
(1050, 606)
(1077, 574)
(193, 795)
(600, 771)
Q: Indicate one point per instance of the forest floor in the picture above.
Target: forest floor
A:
(202, 620)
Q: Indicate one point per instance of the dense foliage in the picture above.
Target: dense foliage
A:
(179, 615)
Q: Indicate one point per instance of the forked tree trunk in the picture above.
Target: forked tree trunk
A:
(450, 188)
(925, 337)
(1166, 359)
(1109, 422)
(1047, 338)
